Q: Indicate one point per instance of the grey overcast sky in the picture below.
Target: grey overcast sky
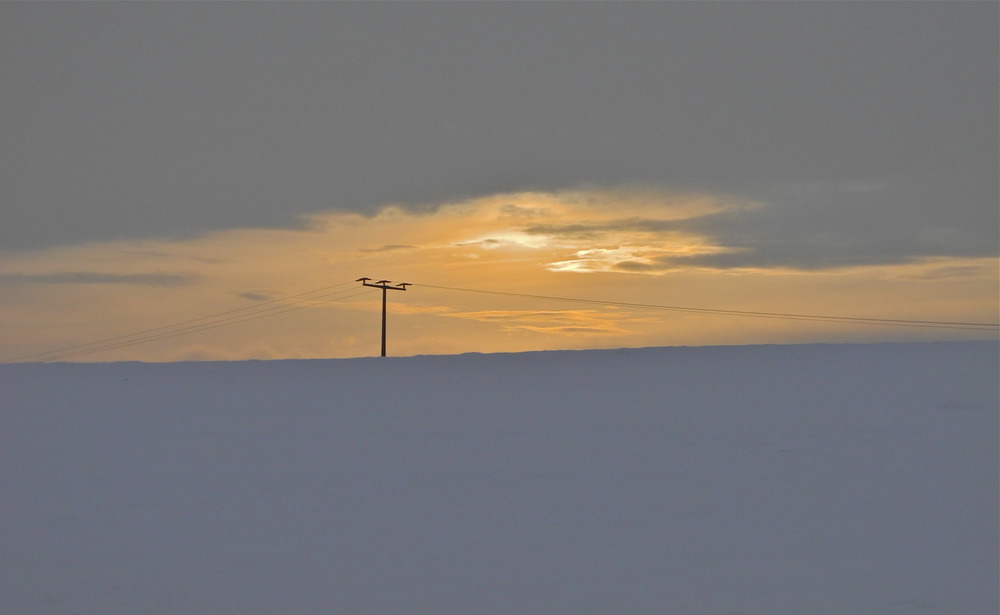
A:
(871, 128)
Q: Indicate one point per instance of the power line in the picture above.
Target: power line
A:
(896, 322)
(133, 334)
(310, 298)
(211, 321)
(198, 329)
(255, 307)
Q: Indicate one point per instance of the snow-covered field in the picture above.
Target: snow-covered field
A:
(760, 480)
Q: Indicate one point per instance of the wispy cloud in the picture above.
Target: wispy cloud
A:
(556, 322)
(638, 245)
(597, 229)
(254, 296)
(520, 212)
(386, 248)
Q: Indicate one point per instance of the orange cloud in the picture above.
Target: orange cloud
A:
(526, 242)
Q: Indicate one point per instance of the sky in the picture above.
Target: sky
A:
(165, 162)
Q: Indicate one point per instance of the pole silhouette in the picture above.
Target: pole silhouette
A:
(385, 285)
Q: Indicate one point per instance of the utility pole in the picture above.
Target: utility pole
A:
(384, 285)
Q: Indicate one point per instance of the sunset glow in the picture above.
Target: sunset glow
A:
(623, 244)
(208, 180)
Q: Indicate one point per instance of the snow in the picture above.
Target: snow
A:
(811, 479)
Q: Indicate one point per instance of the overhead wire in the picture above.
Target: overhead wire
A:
(198, 329)
(898, 322)
(310, 298)
(212, 321)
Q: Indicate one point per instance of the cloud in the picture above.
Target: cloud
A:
(627, 230)
(559, 322)
(522, 212)
(386, 248)
(254, 296)
(592, 230)
(83, 277)
(805, 227)
(637, 245)
(572, 330)
(831, 226)
(945, 270)
(501, 239)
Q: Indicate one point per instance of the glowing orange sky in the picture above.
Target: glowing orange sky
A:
(604, 244)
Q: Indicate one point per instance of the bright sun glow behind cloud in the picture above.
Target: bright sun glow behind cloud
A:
(636, 244)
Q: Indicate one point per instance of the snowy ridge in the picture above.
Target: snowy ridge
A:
(771, 480)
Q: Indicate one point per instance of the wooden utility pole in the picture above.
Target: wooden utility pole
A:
(384, 285)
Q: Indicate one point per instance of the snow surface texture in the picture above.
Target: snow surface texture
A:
(762, 480)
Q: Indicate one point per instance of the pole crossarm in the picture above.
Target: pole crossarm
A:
(384, 285)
